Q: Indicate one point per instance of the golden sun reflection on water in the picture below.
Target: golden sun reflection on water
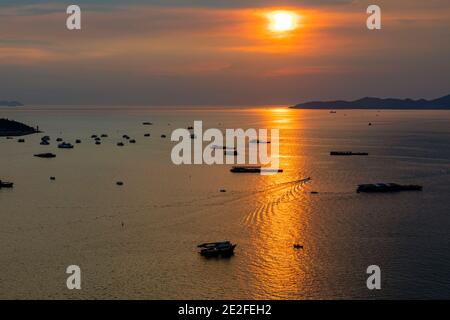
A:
(278, 219)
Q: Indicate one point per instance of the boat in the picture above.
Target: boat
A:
(119, 183)
(387, 187)
(45, 138)
(78, 141)
(147, 123)
(65, 145)
(120, 144)
(94, 136)
(98, 142)
(348, 153)
(132, 141)
(44, 143)
(253, 169)
(5, 184)
(216, 249)
(163, 136)
(147, 135)
(21, 140)
(298, 246)
(59, 139)
(104, 135)
(45, 155)
(259, 141)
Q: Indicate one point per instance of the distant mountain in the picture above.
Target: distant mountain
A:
(14, 128)
(378, 103)
(5, 103)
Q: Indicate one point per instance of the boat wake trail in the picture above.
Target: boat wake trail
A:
(273, 197)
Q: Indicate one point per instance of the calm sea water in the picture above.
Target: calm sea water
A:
(166, 210)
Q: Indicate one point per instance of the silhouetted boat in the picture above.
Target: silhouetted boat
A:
(59, 139)
(348, 153)
(65, 145)
(387, 187)
(253, 169)
(132, 141)
(298, 246)
(147, 123)
(78, 141)
(45, 155)
(21, 140)
(5, 184)
(216, 249)
(163, 136)
(120, 144)
(104, 135)
(147, 135)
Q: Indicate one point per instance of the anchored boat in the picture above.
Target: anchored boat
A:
(216, 249)
(387, 187)
(253, 169)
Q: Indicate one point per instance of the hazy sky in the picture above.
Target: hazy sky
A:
(221, 52)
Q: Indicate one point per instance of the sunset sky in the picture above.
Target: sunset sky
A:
(221, 52)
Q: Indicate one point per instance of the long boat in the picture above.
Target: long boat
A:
(387, 187)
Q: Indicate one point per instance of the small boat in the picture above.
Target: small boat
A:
(78, 141)
(230, 152)
(21, 140)
(298, 246)
(216, 249)
(94, 136)
(98, 142)
(387, 187)
(45, 155)
(97, 139)
(44, 143)
(147, 135)
(163, 136)
(259, 141)
(125, 136)
(5, 184)
(147, 123)
(53, 178)
(253, 169)
(59, 139)
(132, 141)
(120, 144)
(104, 135)
(65, 145)
(119, 183)
(45, 138)
(348, 153)
(332, 111)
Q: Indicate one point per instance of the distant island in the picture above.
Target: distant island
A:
(5, 103)
(442, 103)
(13, 128)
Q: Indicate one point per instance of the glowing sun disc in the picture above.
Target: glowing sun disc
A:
(282, 21)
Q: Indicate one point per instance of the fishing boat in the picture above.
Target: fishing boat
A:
(387, 187)
(253, 169)
(45, 155)
(65, 145)
(5, 184)
(216, 249)
(348, 153)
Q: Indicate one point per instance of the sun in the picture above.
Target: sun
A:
(283, 21)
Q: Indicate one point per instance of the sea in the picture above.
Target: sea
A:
(139, 240)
